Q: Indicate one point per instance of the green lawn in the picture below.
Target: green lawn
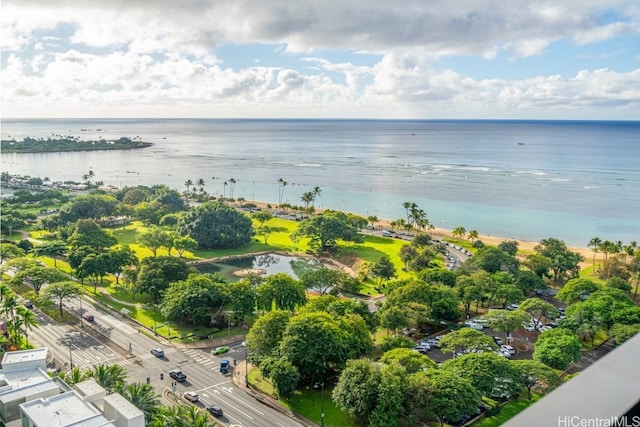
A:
(508, 411)
(307, 402)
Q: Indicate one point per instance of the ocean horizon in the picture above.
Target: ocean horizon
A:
(522, 179)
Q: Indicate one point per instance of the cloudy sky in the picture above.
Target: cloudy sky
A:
(555, 59)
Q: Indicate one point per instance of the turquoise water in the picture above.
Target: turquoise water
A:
(522, 179)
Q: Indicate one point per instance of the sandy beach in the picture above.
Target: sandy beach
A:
(441, 233)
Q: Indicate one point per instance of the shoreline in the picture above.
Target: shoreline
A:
(441, 233)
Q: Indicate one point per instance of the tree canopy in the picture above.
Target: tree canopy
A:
(216, 225)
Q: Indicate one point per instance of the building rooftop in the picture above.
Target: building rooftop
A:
(21, 356)
(19, 383)
(123, 406)
(608, 388)
(66, 409)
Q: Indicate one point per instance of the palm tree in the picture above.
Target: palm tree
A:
(316, 193)
(473, 235)
(459, 232)
(594, 244)
(372, 220)
(224, 189)
(407, 206)
(74, 376)
(307, 198)
(200, 183)
(28, 320)
(232, 183)
(110, 377)
(188, 183)
(143, 397)
(281, 185)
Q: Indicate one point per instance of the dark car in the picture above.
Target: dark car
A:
(177, 375)
(28, 304)
(215, 411)
(88, 317)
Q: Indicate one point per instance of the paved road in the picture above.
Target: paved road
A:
(201, 368)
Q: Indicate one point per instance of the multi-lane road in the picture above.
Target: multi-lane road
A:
(112, 340)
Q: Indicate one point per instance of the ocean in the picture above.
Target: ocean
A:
(529, 180)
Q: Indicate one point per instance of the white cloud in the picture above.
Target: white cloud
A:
(159, 57)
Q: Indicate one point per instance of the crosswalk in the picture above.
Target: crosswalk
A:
(203, 358)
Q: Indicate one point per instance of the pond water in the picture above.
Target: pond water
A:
(272, 263)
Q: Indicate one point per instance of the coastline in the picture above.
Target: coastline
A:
(525, 246)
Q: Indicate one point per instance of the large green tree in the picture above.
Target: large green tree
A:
(412, 361)
(557, 348)
(198, 299)
(466, 339)
(87, 232)
(326, 229)
(536, 375)
(265, 335)
(444, 394)
(315, 344)
(156, 273)
(92, 206)
(216, 225)
(61, 291)
(564, 262)
(490, 374)
(357, 390)
(282, 292)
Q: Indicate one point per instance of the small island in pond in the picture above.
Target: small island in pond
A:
(68, 143)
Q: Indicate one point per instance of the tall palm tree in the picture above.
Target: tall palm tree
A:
(188, 183)
(143, 397)
(316, 193)
(232, 183)
(307, 198)
(28, 320)
(473, 235)
(281, 185)
(594, 244)
(200, 183)
(459, 232)
(224, 189)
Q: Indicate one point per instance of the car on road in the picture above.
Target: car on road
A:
(387, 233)
(88, 317)
(157, 352)
(191, 396)
(220, 350)
(216, 411)
(177, 375)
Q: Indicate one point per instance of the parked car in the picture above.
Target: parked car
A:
(387, 233)
(88, 317)
(220, 350)
(498, 340)
(191, 396)
(422, 348)
(177, 375)
(157, 352)
(474, 325)
(28, 304)
(508, 348)
(215, 411)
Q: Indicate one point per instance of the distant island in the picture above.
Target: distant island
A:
(68, 143)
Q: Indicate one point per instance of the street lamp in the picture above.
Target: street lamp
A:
(321, 402)
(246, 366)
(70, 356)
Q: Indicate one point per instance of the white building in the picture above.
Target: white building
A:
(30, 398)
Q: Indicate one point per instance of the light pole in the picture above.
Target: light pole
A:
(228, 323)
(70, 357)
(246, 366)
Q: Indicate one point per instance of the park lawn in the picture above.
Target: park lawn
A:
(306, 402)
(508, 411)
(600, 337)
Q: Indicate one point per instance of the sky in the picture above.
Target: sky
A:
(403, 59)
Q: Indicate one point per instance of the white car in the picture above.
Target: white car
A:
(191, 396)
(474, 325)
(508, 348)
